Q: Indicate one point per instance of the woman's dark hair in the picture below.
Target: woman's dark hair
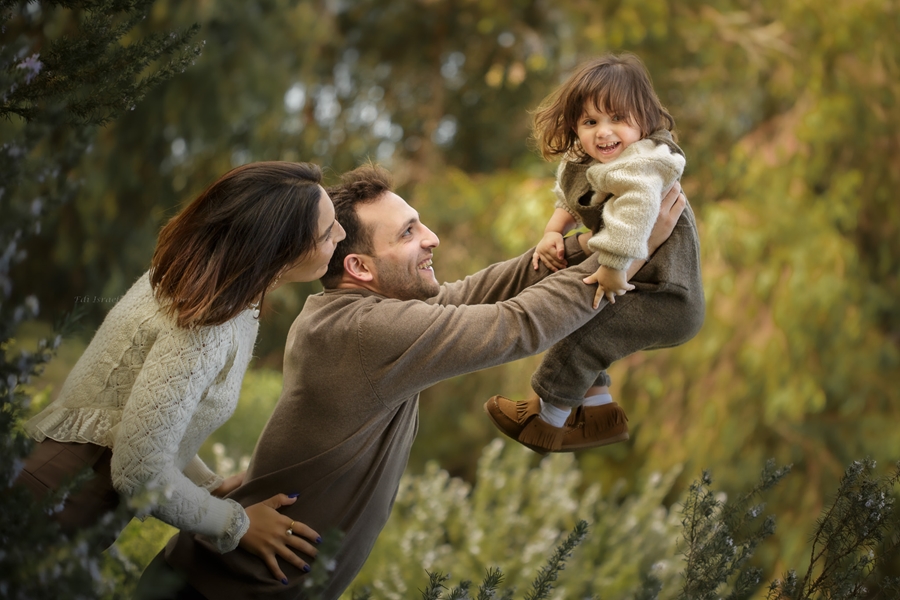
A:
(362, 185)
(226, 248)
(616, 84)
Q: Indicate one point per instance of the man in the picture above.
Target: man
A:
(356, 359)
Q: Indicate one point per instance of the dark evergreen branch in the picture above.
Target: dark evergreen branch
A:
(435, 587)
(543, 583)
(720, 537)
(856, 534)
(489, 585)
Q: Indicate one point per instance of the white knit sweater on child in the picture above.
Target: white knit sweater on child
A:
(153, 392)
(631, 186)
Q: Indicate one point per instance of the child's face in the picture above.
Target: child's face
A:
(603, 136)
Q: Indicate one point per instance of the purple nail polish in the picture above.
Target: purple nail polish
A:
(284, 581)
(306, 568)
(318, 540)
(294, 495)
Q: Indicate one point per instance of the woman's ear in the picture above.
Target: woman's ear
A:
(358, 268)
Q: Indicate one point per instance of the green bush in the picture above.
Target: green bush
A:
(512, 517)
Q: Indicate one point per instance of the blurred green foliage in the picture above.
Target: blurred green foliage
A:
(788, 112)
(513, 516)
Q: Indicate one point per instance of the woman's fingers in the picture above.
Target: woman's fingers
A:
(272, 563)
(279, 500)
(308, 533)
(301, 539)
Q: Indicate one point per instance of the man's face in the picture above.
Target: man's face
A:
(401, 265)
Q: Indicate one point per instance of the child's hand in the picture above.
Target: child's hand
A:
(610, 283)
(551, 251)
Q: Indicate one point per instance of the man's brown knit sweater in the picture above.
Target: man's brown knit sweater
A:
(341, 432)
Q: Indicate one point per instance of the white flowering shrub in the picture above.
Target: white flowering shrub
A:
(513, 518)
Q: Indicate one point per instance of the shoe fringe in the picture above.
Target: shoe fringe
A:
(524, 410)
(541, 437)
(612, 419)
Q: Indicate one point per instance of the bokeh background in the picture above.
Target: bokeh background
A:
(789, 114)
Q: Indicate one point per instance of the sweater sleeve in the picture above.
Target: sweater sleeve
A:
(407, 346)
(503, 280)
(636, 182)
(178, 371)
(201, 475)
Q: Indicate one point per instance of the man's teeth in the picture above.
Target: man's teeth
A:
(426, 264)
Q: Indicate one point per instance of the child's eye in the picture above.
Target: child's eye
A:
(616, 118)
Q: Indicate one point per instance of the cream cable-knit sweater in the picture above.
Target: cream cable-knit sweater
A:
(631, 187)
(153, 392)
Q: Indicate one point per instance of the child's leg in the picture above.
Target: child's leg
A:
(665, 309)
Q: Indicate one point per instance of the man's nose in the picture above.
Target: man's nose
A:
(430, 240)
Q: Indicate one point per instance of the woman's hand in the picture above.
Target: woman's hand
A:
(551, 251)
(273, 534)
(229, 485)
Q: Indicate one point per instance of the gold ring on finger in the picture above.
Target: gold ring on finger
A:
(290, 530)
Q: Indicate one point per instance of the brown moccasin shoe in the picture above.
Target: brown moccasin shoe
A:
(593, 426)
(521, 422)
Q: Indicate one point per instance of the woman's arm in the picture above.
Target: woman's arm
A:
(175, 376)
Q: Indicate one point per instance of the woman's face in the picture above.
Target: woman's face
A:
(313, 265)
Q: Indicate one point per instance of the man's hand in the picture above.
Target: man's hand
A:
(610, 283)
(670, 209)
(551, 251)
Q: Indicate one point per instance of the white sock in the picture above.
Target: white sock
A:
(597, 400)
(554, 415)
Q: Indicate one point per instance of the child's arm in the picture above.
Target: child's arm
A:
(613, 282)
(551, 250)
(637, 180)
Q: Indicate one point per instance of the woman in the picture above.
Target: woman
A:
(164, 369)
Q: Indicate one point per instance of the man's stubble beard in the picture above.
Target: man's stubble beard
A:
(401, 284)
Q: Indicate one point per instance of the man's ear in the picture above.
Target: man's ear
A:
(357, 267)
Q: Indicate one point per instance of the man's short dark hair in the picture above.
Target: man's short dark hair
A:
(362, 185)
